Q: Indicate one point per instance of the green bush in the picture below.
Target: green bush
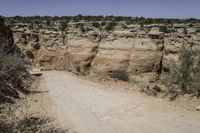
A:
(30, 54)
(48, 23)
(110, 26)
(63, 25)
(81, 27)
(103, 23)
(164, 29)
(190, 25)
(96, 24)
(124, 26)
(13, 74)
(184, 76)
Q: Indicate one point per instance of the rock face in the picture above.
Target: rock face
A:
(127, 58)
(13, 75)
(132, 54)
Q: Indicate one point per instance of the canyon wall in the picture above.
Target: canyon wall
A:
(133, 53)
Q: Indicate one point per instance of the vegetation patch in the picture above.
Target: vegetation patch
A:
(184, 76)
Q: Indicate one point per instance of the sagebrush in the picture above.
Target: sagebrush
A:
(184, 75)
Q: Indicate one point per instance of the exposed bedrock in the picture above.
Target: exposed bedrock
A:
(128, 58)
(135, 56)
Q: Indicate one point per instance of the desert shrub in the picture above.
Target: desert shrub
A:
(96, 24)
(141, 26)
(78, 25)
(119, 74)
(110, 26)
(36, 46)
(156, 88)
(190, 25)
(48, 22)
(129, 22)
(164, 29)
(103, 23)
(31, 124)
(30, 54)
(13, 74)
(185, 31)
(184, 76)
(31, 26)
(82, 29)
(63, 25)
(124, 26)
(78, 69)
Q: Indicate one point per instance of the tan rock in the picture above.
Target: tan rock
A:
(198, 108)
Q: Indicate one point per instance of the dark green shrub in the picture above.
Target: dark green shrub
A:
(185, 31)
(103, 23)
(141, 26)
(191, 25)
(124, 26)
(82, 29)
(156, 88)
(31, 124)
(30, 54)
(184, 76)
(119, 74)
(110, 26)
(129, 22)
(36, 46)
(63, 25)
(164, 29)
(48, 23)
(13, 73)
(96, 24)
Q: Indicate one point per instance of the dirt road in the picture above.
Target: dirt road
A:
(87, 107)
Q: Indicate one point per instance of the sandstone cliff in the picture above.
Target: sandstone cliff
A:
(132, 53)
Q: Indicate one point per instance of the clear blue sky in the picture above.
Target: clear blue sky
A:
(146, 8)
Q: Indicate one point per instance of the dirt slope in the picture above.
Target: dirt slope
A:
(87, 107)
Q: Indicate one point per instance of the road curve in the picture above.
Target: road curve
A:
(87, 107)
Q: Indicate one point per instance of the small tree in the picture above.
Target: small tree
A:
(48, 23)
(63, 25)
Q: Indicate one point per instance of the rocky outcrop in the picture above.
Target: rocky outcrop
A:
(13, 73)
(135, 54)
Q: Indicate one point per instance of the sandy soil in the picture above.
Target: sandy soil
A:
(87, 107)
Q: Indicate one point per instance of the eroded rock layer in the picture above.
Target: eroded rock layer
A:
(132, 54)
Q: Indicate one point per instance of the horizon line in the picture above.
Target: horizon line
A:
(101, 15)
